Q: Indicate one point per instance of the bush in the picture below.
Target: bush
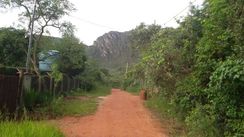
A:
(200, 123)
(166, 112)
(34, 99)
(188, 94)
(226, 96)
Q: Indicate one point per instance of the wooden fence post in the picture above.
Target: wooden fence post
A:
(62, 85)
(73, 84)
(68, 84)
(27, 82)
(20, 101)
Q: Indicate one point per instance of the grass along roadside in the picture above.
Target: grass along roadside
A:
(68, 107)
(135, 90)
(77, 103)
(99, 91)
(162, 110)
(28, 129)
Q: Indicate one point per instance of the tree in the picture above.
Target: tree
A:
(219, 64)
(191, 30)
(13, 47)
(142, 35)
(47, 14)
(72, 60)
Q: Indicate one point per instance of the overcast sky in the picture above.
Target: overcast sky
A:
(93, 18)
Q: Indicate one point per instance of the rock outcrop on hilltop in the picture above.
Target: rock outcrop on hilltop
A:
(112, 50)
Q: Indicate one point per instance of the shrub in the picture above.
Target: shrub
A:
(226, 96)
(36, 99)
(200, 123)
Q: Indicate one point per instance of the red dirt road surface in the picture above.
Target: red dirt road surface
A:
(119, 115)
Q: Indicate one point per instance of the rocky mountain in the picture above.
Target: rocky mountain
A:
(112, 50)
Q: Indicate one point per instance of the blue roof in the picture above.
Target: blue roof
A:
(46, 59)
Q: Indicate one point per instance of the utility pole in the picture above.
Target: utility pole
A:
(30, 38)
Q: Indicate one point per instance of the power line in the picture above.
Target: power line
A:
(110, 28)
(92, 23)
(179, 12)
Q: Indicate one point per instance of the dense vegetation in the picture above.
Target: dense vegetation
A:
(11, 38)
(198, 68)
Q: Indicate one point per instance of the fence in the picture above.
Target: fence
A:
(10, 92)
(48, 84)
(11, 88)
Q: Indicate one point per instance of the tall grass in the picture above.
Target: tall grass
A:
(28, 129)
(134, 89)
(33, 99)
(68, 107)
(165, 112)
(100, 90)
(77, 103)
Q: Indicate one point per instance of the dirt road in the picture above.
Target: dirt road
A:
(119, 115)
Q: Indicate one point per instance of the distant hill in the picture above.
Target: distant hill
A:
(112, 50)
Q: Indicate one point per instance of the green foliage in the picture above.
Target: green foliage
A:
(188, 95)
(100, 90)
(72, 61)
(13, 45)
(227, 82)
(198, 67)
(221, 38)
(142, 35)
(57, 75)
(200, 123)
(48, 13)
(66, 107)
(28, 129)
(93, 75)
(219, 64)
(77, 103)
(49, 43)
(165, 111)
(134, 89)
(72, 56)
(33, 99)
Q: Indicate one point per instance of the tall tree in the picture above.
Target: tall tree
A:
(13, 47)
(142, 35)
(220, 60)
(72, 60)
(47, 13)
